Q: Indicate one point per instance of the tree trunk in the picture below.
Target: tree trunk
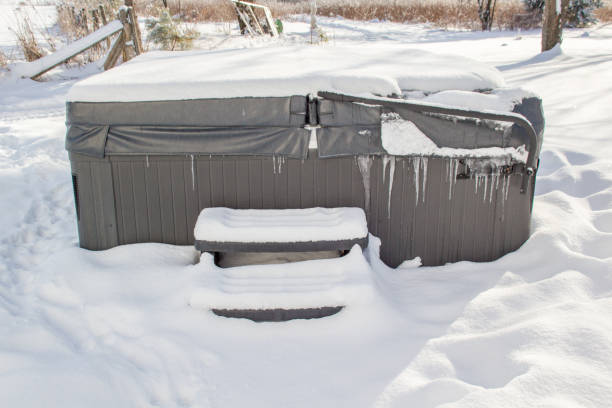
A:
(486, 13)
(313, 19)
(552, 25)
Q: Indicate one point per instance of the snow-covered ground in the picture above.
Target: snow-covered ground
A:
(123, 328)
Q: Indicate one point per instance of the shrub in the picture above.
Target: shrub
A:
(579, 12)
(26, 40)
(170, 34)
(3, 60)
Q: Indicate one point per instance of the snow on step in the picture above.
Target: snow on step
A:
(220, 224)
(299, 285)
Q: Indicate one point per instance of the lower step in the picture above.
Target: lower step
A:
(278, 315)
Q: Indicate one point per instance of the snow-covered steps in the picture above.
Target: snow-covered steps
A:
(278, 292)
(278, 265)
(289, 230)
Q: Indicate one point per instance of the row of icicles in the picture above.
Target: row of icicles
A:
(490, 181)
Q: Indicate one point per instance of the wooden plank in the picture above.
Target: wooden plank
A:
(48, 62)
(116, 50)
(245, 9)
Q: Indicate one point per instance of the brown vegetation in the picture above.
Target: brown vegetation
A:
(26, 39)
(604, 14)
(3, 59)
(442, 13)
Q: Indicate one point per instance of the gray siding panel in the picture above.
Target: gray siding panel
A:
(135, 199)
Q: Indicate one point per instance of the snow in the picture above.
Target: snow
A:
(220, 224)
(402, 138)
(122, 328)
(344, 281)
(501, 99)
(284, 71)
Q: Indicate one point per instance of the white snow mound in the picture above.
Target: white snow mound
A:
(383, 69)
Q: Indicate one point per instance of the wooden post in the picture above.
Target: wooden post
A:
(115, 51)
(136, 39)
(255, 20)
(95, 19)
(127, 33)
(84, 20)
(74, 17)
(104, 22)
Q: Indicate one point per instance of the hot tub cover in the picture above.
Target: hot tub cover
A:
(263, 101)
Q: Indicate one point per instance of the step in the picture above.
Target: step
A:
(221, 229)
(279, 292)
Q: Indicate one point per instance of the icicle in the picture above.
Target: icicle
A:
(424, 160)
(453, 166)
(147, 160)
(484, 194)
(365, 163)
(391, 174)
(416, 164)
(507, 186)
(385, 165)
(449, 177)
(494, 186)
(274, 163)
(192, 174)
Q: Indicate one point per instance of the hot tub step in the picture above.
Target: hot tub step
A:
(278, 315)
(226, 230)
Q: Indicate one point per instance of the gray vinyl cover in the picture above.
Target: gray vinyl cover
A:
(276, 126)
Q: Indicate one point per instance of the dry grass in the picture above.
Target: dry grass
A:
(604, 14)
(3, 60)
(75, 18)
(442, 13)
(26, 39)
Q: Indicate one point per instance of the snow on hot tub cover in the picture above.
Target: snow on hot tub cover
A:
(254, 101)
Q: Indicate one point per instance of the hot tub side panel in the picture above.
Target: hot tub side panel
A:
(435, 214)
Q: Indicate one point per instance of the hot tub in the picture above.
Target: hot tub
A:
(148, 155)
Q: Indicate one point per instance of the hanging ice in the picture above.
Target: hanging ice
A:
(453, 167)
(424, 160)
(386, 160)
(391, 160)
(416, 163)
(365, 163)
(192, 174)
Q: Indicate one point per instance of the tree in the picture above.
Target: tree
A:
(313, 18)
(486, 11)
(555, 13)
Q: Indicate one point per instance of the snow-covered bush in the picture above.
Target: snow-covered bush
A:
(579, 12)
(170, 34)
